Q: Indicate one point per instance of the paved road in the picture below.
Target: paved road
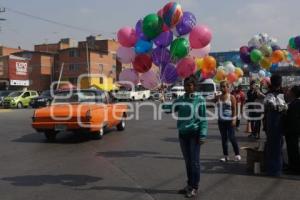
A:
(142, 163)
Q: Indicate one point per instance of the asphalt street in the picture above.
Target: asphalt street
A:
(142, 163)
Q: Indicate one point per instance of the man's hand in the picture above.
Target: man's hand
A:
(201, 141)
(233, 123)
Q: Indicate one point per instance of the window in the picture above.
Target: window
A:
(33, 93)
(74, 67)
(101, 80)
(74, 53)
(101, 67)
(26, 94)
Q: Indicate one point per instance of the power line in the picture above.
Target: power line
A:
(51, 21)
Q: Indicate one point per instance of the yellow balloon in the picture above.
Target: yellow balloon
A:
(221, 75)
(199, 63)
(265, 63)
(239, 72)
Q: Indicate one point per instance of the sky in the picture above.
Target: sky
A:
(233, 22)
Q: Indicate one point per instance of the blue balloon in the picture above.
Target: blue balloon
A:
(143, 46)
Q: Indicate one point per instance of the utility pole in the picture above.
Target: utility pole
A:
(2, 10)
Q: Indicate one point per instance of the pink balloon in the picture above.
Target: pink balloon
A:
(186, 67)
(125, 55)
(200, 53)
(150, 80)
(126, 36)
(200, 37)
(129, 75)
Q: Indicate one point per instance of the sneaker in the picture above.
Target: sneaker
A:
(237, 158)
(185, 190)
(225, 159)
(191, 193)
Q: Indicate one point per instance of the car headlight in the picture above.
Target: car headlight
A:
(15, 99)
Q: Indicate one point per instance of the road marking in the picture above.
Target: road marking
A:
(5, 110)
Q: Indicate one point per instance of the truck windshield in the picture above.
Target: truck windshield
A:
(206, 87)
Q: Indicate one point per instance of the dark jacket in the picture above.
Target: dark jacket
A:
(292, 118)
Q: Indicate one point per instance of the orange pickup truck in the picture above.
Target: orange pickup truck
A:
(79, 111)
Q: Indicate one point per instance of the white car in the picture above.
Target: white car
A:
(208, 89)
(177, 91)
(132, 94)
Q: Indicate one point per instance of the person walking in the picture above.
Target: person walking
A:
(240, 101)
(227, 121)
(292, 130)
(192, 127)
(275, 107)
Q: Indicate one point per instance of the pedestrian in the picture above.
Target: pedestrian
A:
(227, 121)
(253, 96)
(292, 130)
(275, 107)
(192, 127)
(240, 101)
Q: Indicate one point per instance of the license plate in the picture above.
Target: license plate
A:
(60, 127)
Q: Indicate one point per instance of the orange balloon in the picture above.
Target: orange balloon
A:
(209, 64)
(232, 77)
(221, 75)
(277, 56)
(297, 61)
(239, 72)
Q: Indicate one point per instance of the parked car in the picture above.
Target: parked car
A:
(3, 94)
(208, 89)
(135, 94)
(43, 100)
(155, 95)
(83, 111)
(177, 91)
(19, 99)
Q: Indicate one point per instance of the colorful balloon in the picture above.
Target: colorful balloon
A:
(179, 48)
(161, 13)
(186, 67)
(266, 50)
(161, 56)
(229, 67)
(297, 42)
(277, 56)
(200, 36)
(152, 25)
(200, 53)
(164, 39)
(150, 80)
(244, 50)
(126, 37)
(142, 63)
(125, 55)
(186, 24)
(221, 75)
(129, 75)
(143, 46)
(239, 72)
(256, 55)
(199, 63)
(169, 74)
(265, 63)
(209, 64)
(139, 30)
(172, 14)
(261, 73)
(231, 78)
(292, 43)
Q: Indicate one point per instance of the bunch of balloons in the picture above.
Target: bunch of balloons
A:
(169, 39)
(262, 51)
(294, 49)
(229, 72)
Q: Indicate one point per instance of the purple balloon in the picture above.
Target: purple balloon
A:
(245, 57)
(139, 30)
(251, 49)
(164, 39)
(275, 47)
(188, 21)
(161, 56)
(244, 50)
(169, 73)
(297, 42)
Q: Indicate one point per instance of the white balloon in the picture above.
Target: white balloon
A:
(200, 53)
(229, 67)
(261, 73)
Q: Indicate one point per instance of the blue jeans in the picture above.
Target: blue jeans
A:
(190, 148)
(227, 132)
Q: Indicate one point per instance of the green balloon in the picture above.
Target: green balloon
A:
(179, 48)
(152, 25)
(256, 55)
(266, 50)
(292, 43)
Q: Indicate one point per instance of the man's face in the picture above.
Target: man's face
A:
(189, 88)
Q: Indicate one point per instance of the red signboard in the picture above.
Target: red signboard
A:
(18, 71)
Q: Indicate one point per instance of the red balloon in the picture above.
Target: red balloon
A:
(142, 63)
(232, 77)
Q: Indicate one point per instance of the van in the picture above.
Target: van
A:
(132, 94)
(208, 89)
(177, 91)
